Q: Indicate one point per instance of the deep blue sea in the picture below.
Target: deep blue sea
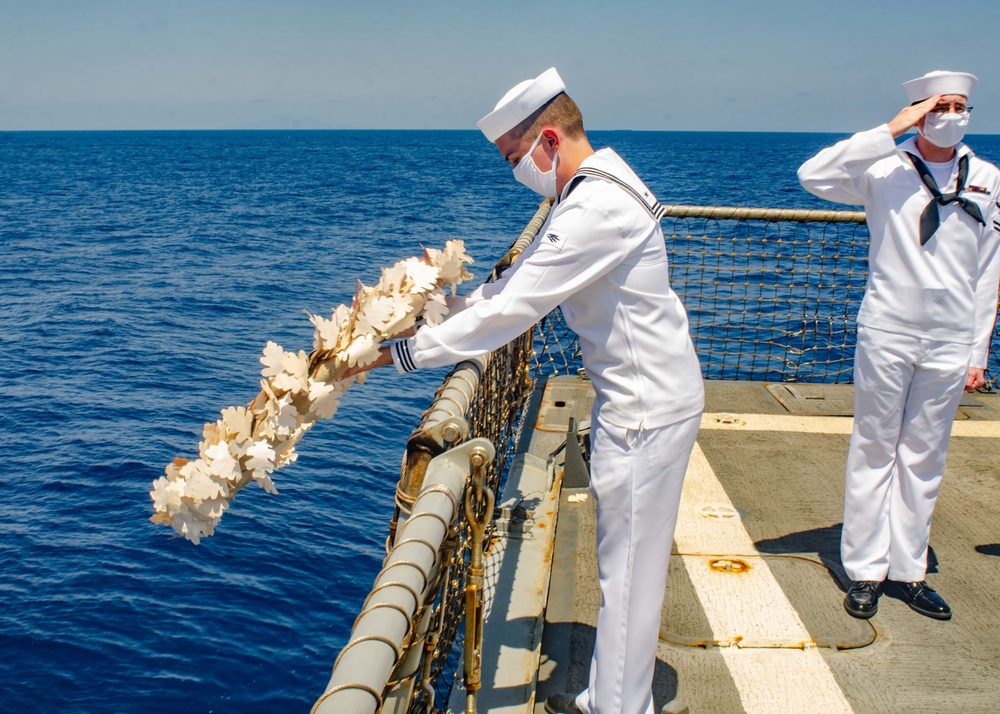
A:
(141, 274)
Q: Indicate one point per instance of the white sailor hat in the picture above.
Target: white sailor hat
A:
(521, 102)
(940, 82)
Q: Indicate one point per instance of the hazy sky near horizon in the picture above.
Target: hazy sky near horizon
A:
(769, 65)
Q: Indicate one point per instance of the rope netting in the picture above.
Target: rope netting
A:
(770, 300)
(773, 295)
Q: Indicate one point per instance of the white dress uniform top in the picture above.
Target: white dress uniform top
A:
(602, 257)
(926, 317)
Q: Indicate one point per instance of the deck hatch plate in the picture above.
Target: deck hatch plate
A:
(814, 399)
(833, 399)
(564, 397)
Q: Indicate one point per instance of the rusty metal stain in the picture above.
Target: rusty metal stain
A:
(729, 420)
(734, 566)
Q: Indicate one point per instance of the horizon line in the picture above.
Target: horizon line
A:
(307, 129)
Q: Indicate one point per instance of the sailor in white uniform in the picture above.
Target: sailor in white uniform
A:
(601, 256)
(924, 326)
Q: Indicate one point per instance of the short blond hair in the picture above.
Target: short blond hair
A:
(560, 111)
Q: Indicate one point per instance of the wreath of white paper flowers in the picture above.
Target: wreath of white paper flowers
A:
(251, 442)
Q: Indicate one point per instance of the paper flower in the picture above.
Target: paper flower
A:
(423, 276)
(436, 308)
(261, 459)
(250, 443)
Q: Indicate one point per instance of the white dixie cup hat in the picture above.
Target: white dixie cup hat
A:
(521, 102)
(940, 82)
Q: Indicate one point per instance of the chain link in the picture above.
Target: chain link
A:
(479, 499)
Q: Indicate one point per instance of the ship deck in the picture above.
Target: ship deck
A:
(752, 618)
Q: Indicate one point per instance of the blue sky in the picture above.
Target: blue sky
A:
(762, 65)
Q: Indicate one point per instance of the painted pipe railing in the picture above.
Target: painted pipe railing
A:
(741, 213)
(383, 630)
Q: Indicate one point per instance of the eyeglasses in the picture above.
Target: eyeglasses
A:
(953, 108)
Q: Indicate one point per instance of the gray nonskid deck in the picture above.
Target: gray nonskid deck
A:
(752, 618)
(757, 624)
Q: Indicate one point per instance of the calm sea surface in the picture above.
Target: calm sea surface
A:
(141, 273)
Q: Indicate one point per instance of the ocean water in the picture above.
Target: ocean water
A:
(141, 273)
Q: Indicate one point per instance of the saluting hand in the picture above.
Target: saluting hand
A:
(911, 116)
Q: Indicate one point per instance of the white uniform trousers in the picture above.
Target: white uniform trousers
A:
(906, 392)
(636, 478)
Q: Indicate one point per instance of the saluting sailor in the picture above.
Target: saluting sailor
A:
(924, 327)
(601, 256)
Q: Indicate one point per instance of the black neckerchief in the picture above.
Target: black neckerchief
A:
(930, 218)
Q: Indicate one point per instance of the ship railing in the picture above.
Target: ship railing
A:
(392, 629)
(404, 658)
(771, 295)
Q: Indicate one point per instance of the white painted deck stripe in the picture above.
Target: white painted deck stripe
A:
(826, 425)
(749, 610)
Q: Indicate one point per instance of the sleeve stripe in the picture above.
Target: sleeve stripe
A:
(401, 350)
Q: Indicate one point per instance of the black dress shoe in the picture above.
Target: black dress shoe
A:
(862, 598)
(561, 703)
(921, 598)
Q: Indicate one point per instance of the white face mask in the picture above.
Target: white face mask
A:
(527, 173)
(944, 130)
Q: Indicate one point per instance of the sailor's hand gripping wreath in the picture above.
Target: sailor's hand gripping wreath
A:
(249, 443)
